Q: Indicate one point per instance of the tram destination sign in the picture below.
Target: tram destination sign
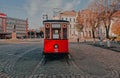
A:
(55, 25)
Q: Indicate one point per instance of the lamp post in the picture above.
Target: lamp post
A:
(14, 32)
(30, 33)
(14, 28)
(45, 17)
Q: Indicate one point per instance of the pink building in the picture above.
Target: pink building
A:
(7, 24)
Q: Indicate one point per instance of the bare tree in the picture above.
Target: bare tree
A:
(87, 19)
(93, 17)
(79, 24)
(109, 8)
(116, 28)
(104, 10)
(93, 22)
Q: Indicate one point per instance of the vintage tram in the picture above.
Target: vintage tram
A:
(55, 37)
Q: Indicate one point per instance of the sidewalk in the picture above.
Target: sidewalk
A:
(114, 46)
(97, 61)
(35, 40)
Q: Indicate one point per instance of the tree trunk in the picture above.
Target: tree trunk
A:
(93, 33)
(107, 32)
(107, 36)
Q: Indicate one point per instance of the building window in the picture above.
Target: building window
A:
(70, 25)
(74, 32)
(74, 19)
(66, 19)
(70, 19)
(0, 21)
(70, 31)
(90, 33)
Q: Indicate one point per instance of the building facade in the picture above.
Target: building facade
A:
(86, 16)
(3, 25)
(115, 22)
(71, 17)
(9, 25)
(87, 31)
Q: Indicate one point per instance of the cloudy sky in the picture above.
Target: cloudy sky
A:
(35, 9)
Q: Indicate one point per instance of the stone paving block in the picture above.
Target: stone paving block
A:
(30, 76)
(49, 76)
(41, 76)
(35, 76)
(79, 76)
(54, 76)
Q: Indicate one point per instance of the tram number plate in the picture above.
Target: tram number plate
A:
(56, 50)
(55, 25)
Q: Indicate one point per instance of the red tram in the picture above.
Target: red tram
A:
(55, 37)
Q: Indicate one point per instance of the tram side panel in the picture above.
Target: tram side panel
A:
(55, 46)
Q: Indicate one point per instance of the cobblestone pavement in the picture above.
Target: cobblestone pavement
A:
(114, 45)
(94, 61)
(19, 58)
(25, 60)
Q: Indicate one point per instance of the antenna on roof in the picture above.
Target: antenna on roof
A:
(56, 12)
(45, 17)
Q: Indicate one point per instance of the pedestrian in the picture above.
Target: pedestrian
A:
(78, 40)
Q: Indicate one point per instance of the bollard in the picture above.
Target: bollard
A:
(108, 43)
(101, 43)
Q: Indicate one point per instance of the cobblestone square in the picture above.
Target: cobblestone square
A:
(24, 60)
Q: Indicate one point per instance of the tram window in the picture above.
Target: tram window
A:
(47, 33)
(64, 33)
(56, 34)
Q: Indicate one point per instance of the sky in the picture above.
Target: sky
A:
(35, 9)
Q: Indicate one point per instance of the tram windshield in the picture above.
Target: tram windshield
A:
(56, 28)
(55, 31)
(56, 34)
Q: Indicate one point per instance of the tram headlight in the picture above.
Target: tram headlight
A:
(55, 46)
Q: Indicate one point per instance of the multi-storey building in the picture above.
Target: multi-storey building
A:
(115, 21)
(100, 30)
(8, 25)
(71, 17)
(3, 25)
(86, 16)
(87, 31)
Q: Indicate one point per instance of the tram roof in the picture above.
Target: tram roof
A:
(55, 21)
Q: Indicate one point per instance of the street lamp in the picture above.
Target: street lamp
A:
(14, 32)
(45, 17)
(14, 28)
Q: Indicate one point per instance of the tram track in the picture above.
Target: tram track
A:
(69, 62)
(63, 58)
(33, 74)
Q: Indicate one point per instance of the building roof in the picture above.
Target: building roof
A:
(69, 13)
(3, 15)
